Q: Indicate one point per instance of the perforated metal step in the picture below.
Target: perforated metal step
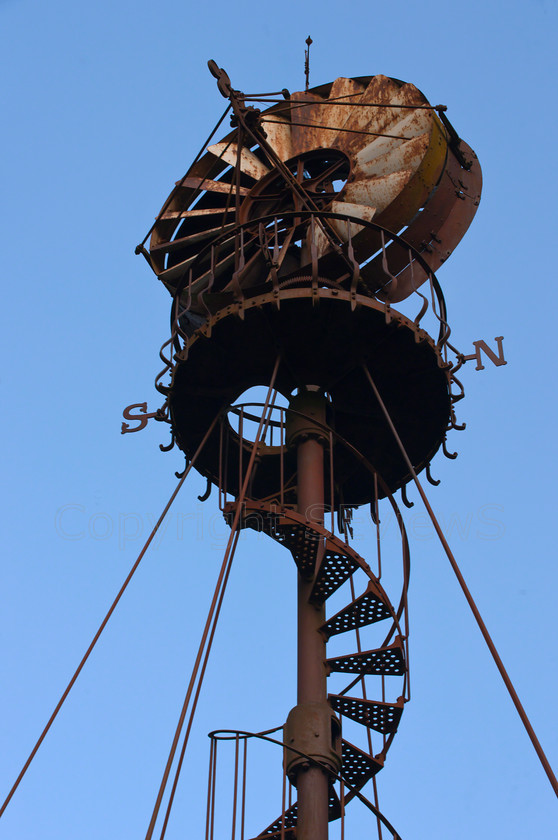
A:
(285, 527)
(302, 542)
(338, 564)
(386, 661)
(368, 608)
(357, 766)
(383, 717)
(303, 539)
(291, 815)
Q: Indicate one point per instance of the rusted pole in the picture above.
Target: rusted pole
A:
(312, 782)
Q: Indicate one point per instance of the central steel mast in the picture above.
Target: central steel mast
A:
(311, 781)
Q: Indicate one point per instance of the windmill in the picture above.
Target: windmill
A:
(300, 253)
(284, 248)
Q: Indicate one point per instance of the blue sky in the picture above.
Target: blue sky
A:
(104, 107)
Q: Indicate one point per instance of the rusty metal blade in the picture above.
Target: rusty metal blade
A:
(191, 239)
(396, 156)
(278, 130)
(335, 114)
(412, 124)
(361, 211)
(447, 215)
(187, 214)
(382, 92)
(249, 163)
(305, 137)
(212, 186)
(377, 192)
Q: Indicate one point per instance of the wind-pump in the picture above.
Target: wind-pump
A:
(286, 249)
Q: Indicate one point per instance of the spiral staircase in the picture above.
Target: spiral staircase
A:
(329, 562)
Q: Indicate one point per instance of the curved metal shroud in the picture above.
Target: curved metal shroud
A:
(370, 147)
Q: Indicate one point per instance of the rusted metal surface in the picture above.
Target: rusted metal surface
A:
(305, 123)
(421, 185)
(309, 120)
(435, 234)
(381, 94)
(213, 186)
(393, 155)
(379, 192)
(249, 164)
(278, 135)
(401, 160)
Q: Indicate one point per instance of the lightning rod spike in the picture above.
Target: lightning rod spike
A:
(307, 61)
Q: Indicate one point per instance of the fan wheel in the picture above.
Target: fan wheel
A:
(370, 148)
(320, 174)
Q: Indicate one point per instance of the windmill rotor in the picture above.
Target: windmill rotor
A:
(370, 148)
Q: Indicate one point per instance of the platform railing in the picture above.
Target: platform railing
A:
(237, 769)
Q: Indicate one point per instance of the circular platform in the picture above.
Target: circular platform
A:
(322, 341)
